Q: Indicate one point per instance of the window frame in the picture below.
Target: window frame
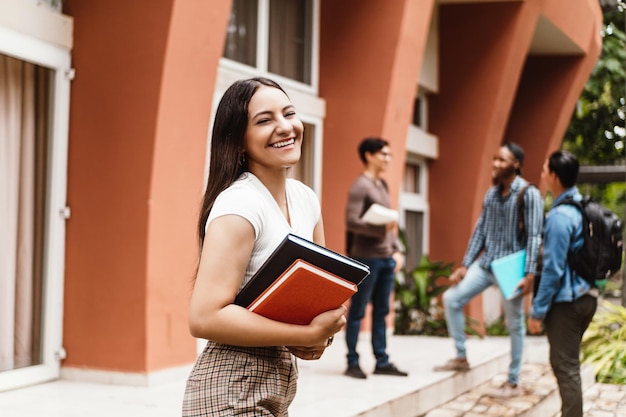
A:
(49, 54)
(263, 52)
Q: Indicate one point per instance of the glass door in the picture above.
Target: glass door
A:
(34, 99)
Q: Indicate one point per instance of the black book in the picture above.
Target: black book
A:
(289, 250)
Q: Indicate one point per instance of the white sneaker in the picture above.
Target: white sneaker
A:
(506, 390)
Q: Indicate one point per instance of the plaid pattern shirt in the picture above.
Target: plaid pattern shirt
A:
(495, 234)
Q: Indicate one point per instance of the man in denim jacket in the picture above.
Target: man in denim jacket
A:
(565, 303)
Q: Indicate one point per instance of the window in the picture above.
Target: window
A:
(414, 208)
(35, 75)
(412, 178)
(420, 108)
(414, 235)
(290, 39)
(241, 34)
(417, 112)
(23, 185)
(304, 169)
(273, 36)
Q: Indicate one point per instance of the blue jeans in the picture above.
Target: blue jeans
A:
(455, 298)
(377, 289)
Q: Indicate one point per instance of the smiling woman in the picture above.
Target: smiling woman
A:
(273, 124)
(249, 206)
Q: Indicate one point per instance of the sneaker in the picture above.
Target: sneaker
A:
(456, 364)
(389, 369)
(355, 371)
(507, 390)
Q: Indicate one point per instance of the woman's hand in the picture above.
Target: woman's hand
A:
(306, 353)
(324, 327)
(311, 352)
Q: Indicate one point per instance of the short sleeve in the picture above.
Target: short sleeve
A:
(237, 200)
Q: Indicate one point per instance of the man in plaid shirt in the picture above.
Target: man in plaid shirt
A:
(496, 235)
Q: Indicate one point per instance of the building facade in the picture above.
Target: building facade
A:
(107, 108)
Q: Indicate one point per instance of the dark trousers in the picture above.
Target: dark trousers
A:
(565, 324)
(376, 288)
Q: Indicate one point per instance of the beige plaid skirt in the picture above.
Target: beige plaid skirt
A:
(241, 381)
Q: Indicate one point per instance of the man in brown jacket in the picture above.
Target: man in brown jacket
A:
(378, 246)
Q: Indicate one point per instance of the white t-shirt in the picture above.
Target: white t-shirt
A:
(249, 198)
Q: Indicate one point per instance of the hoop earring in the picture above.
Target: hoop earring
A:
(242, 160)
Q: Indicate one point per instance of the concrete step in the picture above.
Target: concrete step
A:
(323, 390)
(422, 399)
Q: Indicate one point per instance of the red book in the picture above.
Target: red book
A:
(290, 249)
(302, 292)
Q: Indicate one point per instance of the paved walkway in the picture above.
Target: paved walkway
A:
(605, 400)
(539, 397)
(324, 390)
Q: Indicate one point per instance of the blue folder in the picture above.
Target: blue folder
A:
(509, 271)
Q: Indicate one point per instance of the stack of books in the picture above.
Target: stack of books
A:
(301, 280)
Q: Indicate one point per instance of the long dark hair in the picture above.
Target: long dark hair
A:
(228, 161)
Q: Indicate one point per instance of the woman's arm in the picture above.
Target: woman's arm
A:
(212, 315)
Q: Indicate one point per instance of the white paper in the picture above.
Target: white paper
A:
(378, 215)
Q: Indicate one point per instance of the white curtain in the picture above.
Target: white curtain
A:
(17, 170)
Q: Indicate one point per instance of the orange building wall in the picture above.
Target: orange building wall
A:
(550, 85)
(140, 108)
(482, 51)
(370, 57)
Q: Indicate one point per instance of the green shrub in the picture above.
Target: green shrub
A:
(604, 343)
(417, 308)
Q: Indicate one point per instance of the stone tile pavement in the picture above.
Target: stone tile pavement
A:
(539, 398)
(605, 400)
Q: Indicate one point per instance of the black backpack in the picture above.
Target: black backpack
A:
(600, 256)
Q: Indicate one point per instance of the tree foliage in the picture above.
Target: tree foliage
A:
(596, 133)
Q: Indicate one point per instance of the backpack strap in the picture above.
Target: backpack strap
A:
(521, 224)
(569, 200)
